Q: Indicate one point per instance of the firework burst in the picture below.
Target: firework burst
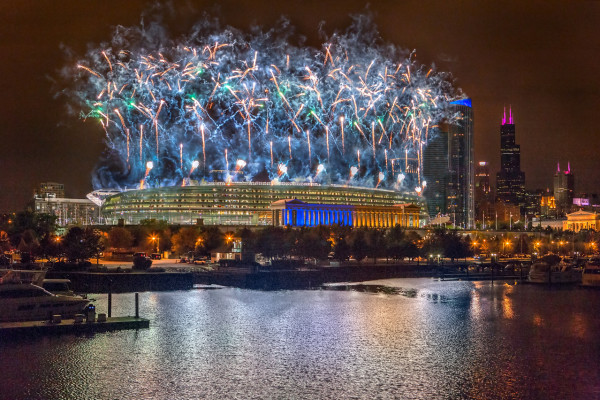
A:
(272, 105)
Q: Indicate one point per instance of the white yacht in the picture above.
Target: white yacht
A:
(551, 269)
(21, 299)
(591, 273)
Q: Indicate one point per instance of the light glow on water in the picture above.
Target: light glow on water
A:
(408, 338)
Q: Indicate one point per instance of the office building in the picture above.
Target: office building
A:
(484, 202)
(564, 189)
(448, 167)
(435, 172)
(68, 211)
(50, 190)
(510, 180)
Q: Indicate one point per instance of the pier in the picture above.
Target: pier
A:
(85, 323)
(42, 328)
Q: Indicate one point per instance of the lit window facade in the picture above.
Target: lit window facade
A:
(238, 203)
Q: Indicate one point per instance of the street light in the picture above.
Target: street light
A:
(157, 239)
(561, 245)
(504, 244)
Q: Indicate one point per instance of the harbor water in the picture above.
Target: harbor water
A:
(397, 338)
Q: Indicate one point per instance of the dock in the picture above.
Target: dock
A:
(41, 328)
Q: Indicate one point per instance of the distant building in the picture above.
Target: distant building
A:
(547, 205)
(448, 168)
(587, 201)
(50, 190)
(564, 188)
(435, 172)
(510, 180)
(484, 204)
(532, 206)
(582, 220)
(506, 213)
(68, 211)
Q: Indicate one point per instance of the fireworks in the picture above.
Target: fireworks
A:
(296, 112)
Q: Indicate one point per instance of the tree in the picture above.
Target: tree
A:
(455, 246)
(248, 238)
(376, 243)
(341, 249)
(272, 242)
(28, 246)
(120, 238)
(81, 244)
(312, 244)
(395, 241)
(211, 238)
(185, 240)
(360, 247)
(40, 225)
(340, 236)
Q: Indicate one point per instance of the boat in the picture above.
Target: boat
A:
(552, 269)
(23, 299)
(591, 273)
(59, 287)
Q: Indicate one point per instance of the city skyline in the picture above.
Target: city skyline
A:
(531, 57)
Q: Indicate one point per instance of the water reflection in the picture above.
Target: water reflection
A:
(401, 338)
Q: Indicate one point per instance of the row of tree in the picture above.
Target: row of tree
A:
(36, 234)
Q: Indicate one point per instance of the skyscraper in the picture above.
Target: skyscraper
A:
(435, 172)
(448, 168)
(564, 187)
(510, 181)
(484, 205)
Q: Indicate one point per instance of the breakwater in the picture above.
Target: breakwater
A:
(263, 278)
(313, 277)
(104, 282)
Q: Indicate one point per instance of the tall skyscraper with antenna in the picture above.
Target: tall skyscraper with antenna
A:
(510, 181)
(564, 188)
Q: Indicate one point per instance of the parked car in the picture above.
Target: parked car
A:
(155, 256)
(183, 260)
(141, 262)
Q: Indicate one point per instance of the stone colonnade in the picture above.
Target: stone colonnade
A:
(296, 213)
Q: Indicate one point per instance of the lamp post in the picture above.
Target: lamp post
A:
(504, 244)
(157, 239)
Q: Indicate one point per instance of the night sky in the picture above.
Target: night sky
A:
(541, 57)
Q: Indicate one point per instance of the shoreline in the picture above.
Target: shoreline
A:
(265, 279)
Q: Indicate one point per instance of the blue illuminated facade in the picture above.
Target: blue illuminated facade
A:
(296, 213)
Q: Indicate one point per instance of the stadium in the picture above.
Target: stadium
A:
(247, 203)
(215, 127)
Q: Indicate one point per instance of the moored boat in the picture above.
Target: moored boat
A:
(22, 300)
(591, 273)
(551, 269)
